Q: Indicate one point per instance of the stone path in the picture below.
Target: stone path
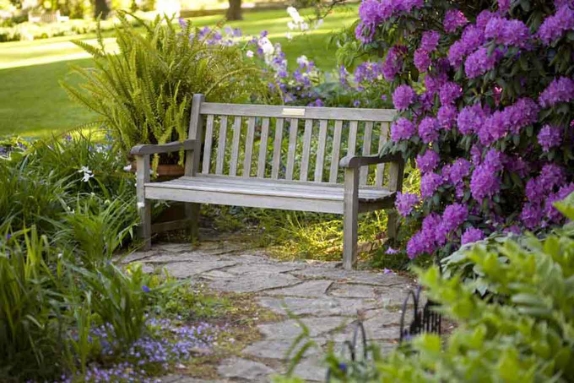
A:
(327, 299)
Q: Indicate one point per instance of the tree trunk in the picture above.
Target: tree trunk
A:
(101, 9)
(234, 10)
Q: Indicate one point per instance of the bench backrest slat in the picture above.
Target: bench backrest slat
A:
(235, 146)
(292, 148)
(277, 148)
(249, 147)
(262, 159)
(306, 150)
(335, 153)
(367, 138)
(321, 150)
(208, 143)
(303, 143)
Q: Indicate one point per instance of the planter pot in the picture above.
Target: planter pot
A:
(164, 172)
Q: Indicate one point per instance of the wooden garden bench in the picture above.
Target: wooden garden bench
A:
(252, 166)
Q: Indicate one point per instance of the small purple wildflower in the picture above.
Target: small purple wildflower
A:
(145, 289)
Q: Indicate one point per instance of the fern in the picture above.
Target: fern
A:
(143, 92)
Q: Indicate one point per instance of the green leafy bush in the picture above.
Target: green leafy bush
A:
(522, 330)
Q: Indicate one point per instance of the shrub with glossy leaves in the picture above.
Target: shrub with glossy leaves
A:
(485, 91)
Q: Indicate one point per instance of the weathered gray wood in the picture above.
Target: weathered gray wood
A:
(367, 138)
(292, 148)
(379, 173)
(335, 151)
(319, 163)
(262, 160)
(221, 146)
(141, 150)
(306, 150)
(207, 146)
(144, 208)
(235, 146)
(247, 199)
(352, 142)
(169, 226)
(314, 113)
(249, 147)
(396, 173)
(359, 161)
(195, 131)
(350, 219)
(277, 148)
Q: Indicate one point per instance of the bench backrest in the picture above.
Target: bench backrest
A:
(280, 142)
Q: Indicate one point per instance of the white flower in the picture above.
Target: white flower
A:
(318, 23)
(302, 60)
(127, 168)
(289, 36)
(304, 26)
(141, 205)
(292, 11)
(249, 54)
(87, 173)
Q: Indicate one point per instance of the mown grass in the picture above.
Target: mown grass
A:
(32, 103)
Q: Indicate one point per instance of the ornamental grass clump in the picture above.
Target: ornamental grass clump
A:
(485, 93)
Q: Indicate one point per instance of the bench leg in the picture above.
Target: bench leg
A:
(192, 216)
(350, 224)
(392, 225)
(143, 206)
(145, 219)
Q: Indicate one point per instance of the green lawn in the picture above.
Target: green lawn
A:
(32, 103)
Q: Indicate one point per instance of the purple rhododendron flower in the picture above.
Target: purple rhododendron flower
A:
(549, 137)
(403, 97)
(531, 215)
(454, 19)
(471, 235)
(459, 169)
(534, 190)
(507, 32)
(446, 116)
(422, 60)
(449, 92)
(429, 41)
(428, 129)
(472, 37)
(557, 25)
(428, 161)
(503, 6)
(454, 215)
(405, 203)
(429, 183)
(559, 90)
(393, 63)
(471, 119)
(433, 83)
(551, 175)
(479, 62)
(402, 129)
(484, 182)
(549, 210)
(494, 160)
(483, 18)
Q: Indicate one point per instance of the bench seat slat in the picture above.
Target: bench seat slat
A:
(262, 189)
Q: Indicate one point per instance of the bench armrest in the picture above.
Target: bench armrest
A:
(141, 150)
(358, 161)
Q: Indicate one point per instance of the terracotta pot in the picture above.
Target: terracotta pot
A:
(170, 171)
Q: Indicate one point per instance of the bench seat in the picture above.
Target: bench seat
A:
(267, 193)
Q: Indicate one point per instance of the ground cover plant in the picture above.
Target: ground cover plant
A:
(67, 313)
(485, 94)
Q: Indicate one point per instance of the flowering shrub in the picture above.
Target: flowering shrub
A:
(485, 92)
